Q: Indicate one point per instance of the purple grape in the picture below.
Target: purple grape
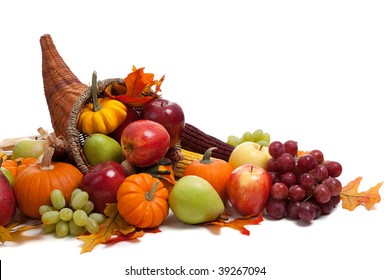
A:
(307, 163)
(279, 191)
(292, 209)
(296, 193)
(276, 209)
(318, 155)
(320, 173)
(306, 180)
(286, 162)
(288, 178)
(306, 211)
(334, 168)
(321, 194)
(291, 147)
(276, 148)
(334, 185)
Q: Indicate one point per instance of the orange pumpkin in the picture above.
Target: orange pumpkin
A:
(143, 200)
(15, 166)
(34, 184)
(215, 171)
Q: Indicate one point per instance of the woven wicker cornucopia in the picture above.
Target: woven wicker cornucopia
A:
(66, 96)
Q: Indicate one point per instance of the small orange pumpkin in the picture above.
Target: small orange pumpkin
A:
(34, 184)
(15, 166)
(143, 200)
(215, 171)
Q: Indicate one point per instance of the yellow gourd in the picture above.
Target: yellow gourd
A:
(102, 115)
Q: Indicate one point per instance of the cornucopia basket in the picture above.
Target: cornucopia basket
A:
(66, 97)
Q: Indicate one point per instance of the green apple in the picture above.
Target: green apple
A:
(193, 200)
(101, 148)
(27, 148)
(249, 153)
(8, 175)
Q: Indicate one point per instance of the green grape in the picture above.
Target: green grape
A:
(233, 140)
(57, 199)
(50, 217)
(88, 207)
(247, 137)
(74, 229)
(257, 135)
(48, 228)
(263, 143)
(74, 193)
(62, 228)
(80, 217)
(92, 225)
(66, 214)
(99, 218)
(79, 200)
(267, 137)
(45, 208)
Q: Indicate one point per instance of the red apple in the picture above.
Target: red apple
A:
(101, 182)
(132, 115)
(167, 113)
(144, 142)
(7, 201)
(248, 189)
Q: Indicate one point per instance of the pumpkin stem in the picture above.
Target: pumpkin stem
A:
(149, 195)
(46, 159)
(207, 155)
(96, 105)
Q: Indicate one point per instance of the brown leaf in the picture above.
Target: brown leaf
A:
(351, 197)
(238, 223)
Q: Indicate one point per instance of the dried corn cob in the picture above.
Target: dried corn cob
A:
(187, 158)
(195, 140)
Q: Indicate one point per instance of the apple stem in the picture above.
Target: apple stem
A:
(46, 159)
(96, 105)
(207, 155)
(149, 195)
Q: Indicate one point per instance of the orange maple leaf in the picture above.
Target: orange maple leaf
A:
(114, 225)
(237, 223)
(351, 198)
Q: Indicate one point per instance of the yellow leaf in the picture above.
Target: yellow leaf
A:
(7, 233)
(351, 197)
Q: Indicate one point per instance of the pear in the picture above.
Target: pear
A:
(193, 200)
(101, 148)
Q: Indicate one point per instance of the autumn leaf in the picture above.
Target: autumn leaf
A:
(237, 223)
(7, 233)
(138, 88)
(114, 225)
(351, 197)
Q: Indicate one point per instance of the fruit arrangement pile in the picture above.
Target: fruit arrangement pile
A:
(144, 161)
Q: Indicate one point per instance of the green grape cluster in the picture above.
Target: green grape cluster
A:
(73, 220)
(258, 136)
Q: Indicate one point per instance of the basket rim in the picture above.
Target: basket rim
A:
(73, 133)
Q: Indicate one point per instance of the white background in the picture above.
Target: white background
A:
(313, 71)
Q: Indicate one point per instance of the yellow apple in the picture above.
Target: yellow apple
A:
(249, 153)
(27, 147)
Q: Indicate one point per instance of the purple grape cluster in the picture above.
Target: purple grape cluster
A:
(303, 187)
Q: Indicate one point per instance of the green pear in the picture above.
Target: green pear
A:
(101, 148)
(28, 148)
(193, 200)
